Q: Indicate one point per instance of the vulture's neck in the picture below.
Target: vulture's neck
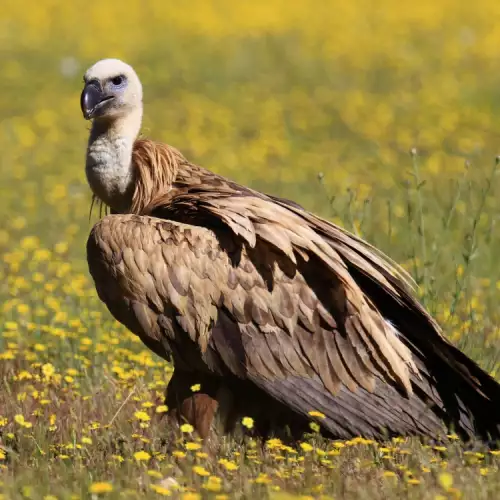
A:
(109, 168)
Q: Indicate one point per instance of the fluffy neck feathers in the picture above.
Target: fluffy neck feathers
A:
(156, 166)
(124, 173)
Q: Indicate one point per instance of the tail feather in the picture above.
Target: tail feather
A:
(465, 396)
(378, 415)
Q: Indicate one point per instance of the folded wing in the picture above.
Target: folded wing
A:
(246, 287)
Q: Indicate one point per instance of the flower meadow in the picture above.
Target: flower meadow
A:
(382, 116)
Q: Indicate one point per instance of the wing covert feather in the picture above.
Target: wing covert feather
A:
(172, 269)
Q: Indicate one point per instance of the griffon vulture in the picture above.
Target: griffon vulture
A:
(274, 311)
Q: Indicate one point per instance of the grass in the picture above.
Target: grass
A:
(382, 118)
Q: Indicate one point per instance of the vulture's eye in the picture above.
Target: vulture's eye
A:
(118, 81)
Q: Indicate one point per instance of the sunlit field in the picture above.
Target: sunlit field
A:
(383, 116)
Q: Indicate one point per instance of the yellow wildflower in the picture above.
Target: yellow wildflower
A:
(19, 419)
(161, 490)
(200, 471)
(247, 422)
(314, 426)
(274, 443)
(100, 487)
(306, 447)
(142, 456)
(142, 416)
(213, 484)
(228, 464)
(445, 480)
(187, 428)
(154, 473)
(48, 370)
(317, 414)
(262, 479)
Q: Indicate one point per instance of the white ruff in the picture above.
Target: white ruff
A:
(109, 171)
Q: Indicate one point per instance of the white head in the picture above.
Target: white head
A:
(112, 90)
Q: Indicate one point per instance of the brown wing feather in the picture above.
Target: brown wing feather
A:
(247, 342)
(275, 226)
(195, 295)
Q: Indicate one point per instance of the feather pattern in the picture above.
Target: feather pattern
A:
(244, 288)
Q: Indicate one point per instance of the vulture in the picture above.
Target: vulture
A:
(265, 310)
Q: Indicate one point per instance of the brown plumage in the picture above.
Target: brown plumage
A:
(274, 311)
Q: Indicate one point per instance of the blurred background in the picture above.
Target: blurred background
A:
(319, 101)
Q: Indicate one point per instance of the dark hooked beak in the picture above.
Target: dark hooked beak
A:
(92, 99)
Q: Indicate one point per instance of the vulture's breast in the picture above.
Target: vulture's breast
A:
(109, 171)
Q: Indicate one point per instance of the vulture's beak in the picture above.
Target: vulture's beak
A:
(92, 99)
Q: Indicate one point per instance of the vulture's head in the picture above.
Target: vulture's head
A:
(112, 89)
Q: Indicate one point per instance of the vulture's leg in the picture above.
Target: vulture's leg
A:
(207, 409)
(197, 408)
(218, 409)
